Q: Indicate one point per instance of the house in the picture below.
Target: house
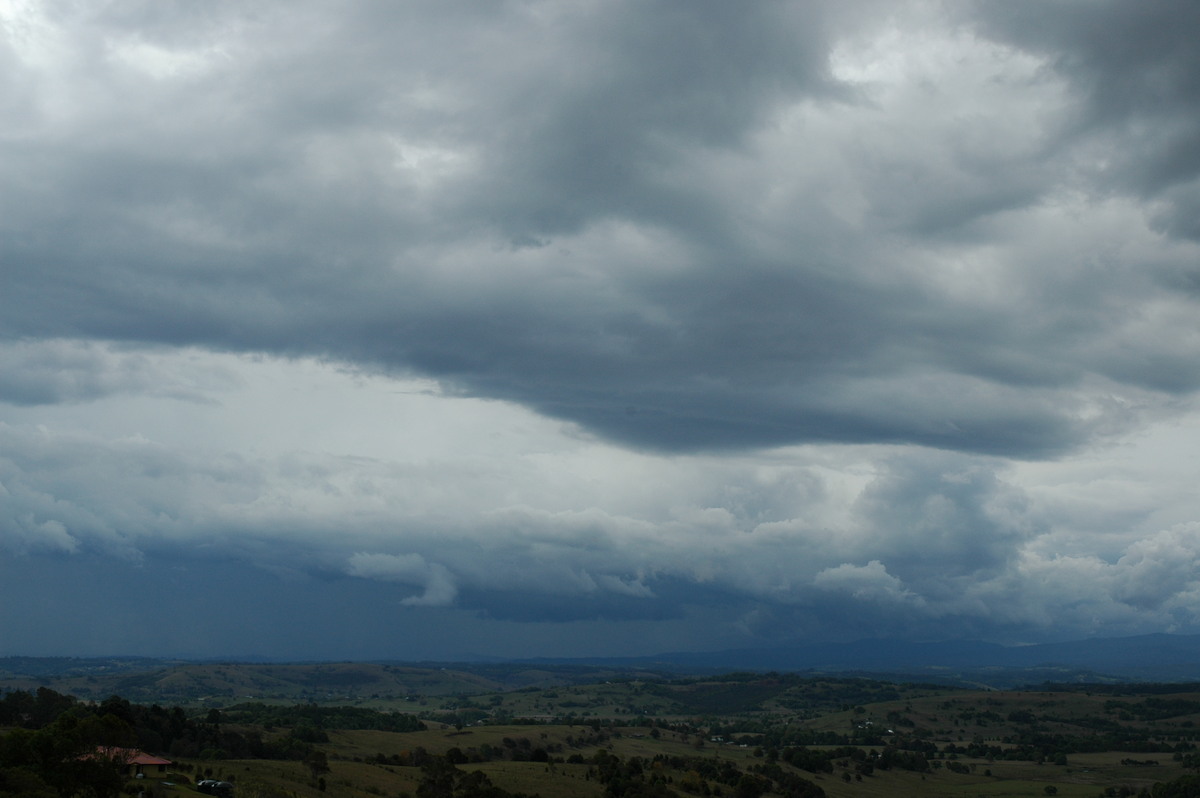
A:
(137, 764)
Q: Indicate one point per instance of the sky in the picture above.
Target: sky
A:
(434, 330)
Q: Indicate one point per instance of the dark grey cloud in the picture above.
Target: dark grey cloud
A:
(813, 287)
(953, 520)
(540, 608)
(1135, 71)
(567, 249)
(603, 135)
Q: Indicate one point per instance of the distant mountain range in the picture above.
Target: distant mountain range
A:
(1152, 657)
(1145, 658)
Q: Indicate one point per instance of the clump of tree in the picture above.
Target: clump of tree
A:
(1152, 708)
(319, 717)
(441, 778)
(636, 777)
(33, 710)
(153, 728)
(73, 755)
(1182, 787)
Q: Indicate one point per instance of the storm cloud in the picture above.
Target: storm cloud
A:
(739, 323)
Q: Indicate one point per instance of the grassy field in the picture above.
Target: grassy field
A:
(360, 779)
(358, 766)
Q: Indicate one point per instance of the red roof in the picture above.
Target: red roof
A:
(131, 756)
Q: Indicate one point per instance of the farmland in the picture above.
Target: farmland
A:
(305, 731)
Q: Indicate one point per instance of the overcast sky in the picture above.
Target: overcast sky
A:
(435, 329)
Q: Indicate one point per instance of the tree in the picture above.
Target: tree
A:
(750, 787)
(23, 782)
(437, 780)
(76, 755)
(316, 762)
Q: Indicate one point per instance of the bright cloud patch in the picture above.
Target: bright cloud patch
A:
(410, 569)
